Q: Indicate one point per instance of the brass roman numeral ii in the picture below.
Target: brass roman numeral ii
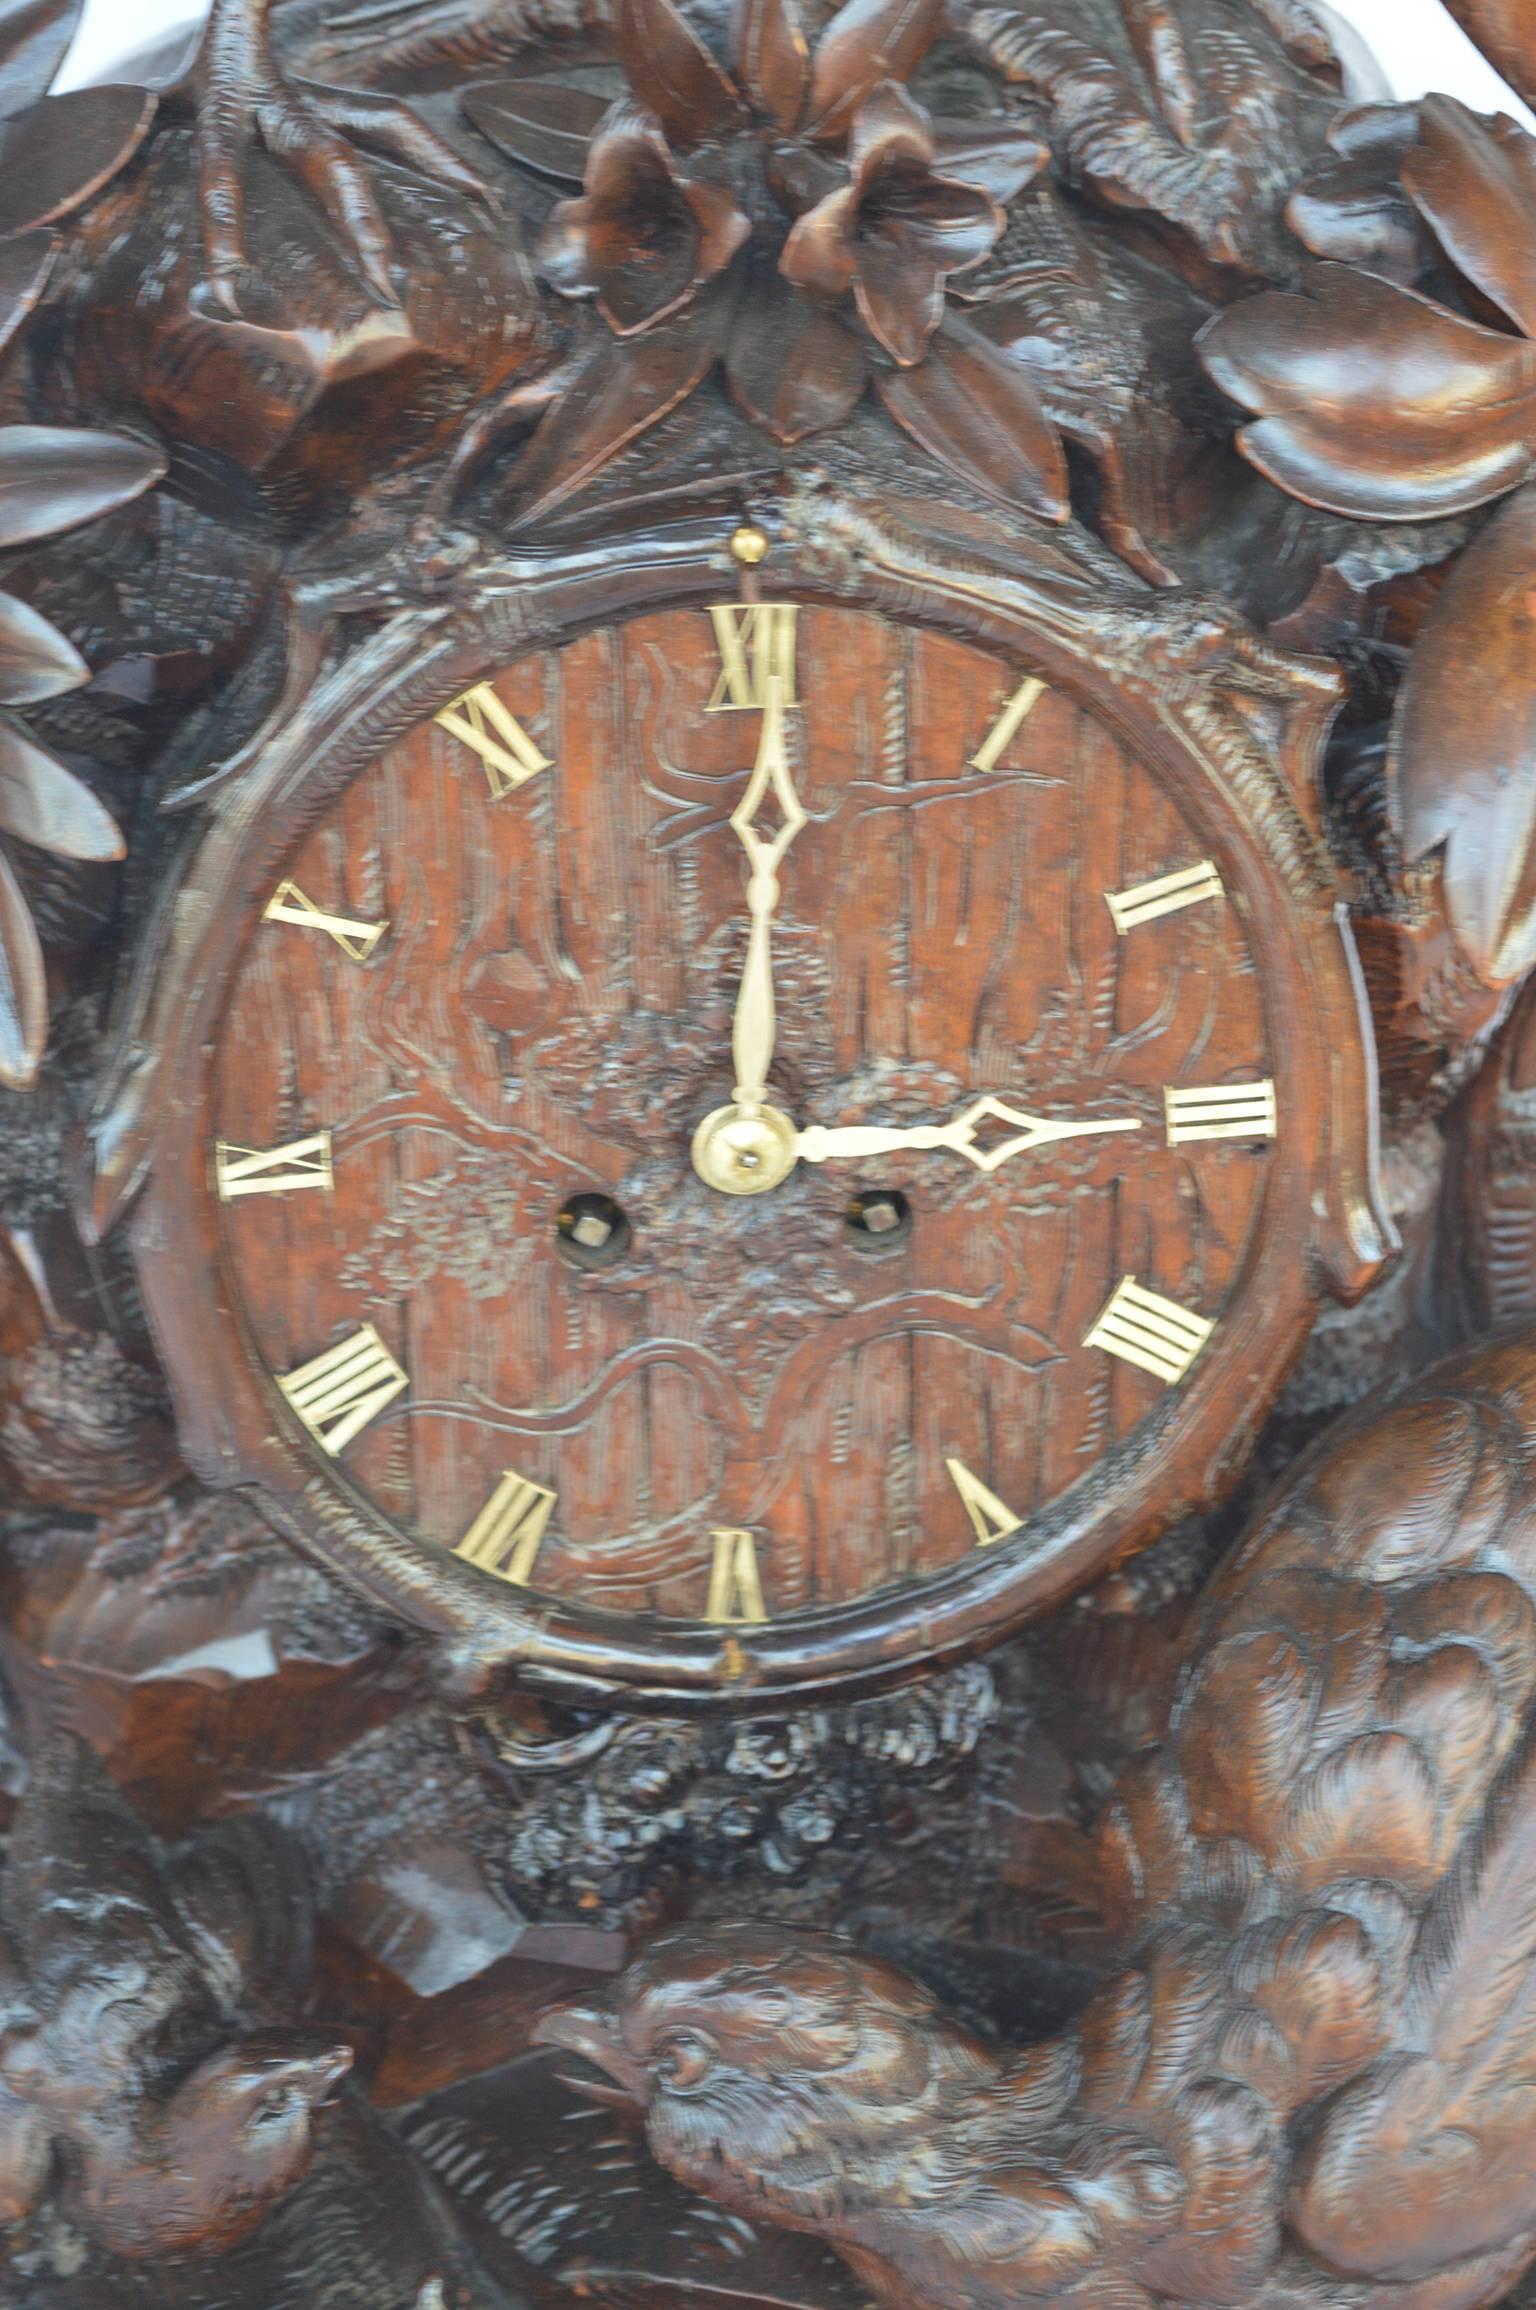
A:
(1221, 1111)
(1008, 724)
(1155, 1334)
(504, 1538)
(482, 722)
(991, 1518)
(355, 939)
(735, 1585)
(755, 641)
(273, 1170)
(1167, 895)
(339, 1392)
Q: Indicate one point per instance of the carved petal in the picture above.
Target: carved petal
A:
(977, 413)
(23, 987)
(794, 369)
(899, 291)
(543, 125)
(627, 385)
(52, 478)
(672, 72)
(56, 154)
(998, 156)
(889, 133)
(1374, 401)
(26, 260)
(773, 61)
(1348, 212)
(866, 42)
(1475, 180)
(43, 803)
(1465, 744)
(818, 255)
(36, 661)
(34, 41)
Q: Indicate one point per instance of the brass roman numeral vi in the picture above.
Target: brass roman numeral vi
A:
(735, 1585)
(1008, 724)
(482, 722)
(755, 641)
(1155, 1334)
(991, 1518)
(1221, 1111)
(273, 1170)
(1167, 895)
(339, 1392)
(504, 1538)
(355, 939)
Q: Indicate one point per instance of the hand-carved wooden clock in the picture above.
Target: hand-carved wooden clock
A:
(766, 890)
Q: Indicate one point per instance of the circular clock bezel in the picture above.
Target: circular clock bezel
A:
(237, 1429)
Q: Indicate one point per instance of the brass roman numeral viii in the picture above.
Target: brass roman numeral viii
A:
(338, 1393)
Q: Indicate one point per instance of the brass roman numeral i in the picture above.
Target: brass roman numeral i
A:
(1221, 1111)
(482, 722)
(991, 1518)
(273, 1170)
(355, 939)
(504, 1538)
(1155, 1334)
(339, 1392)
(1008, 724)
(735, 1585)
(755, 641)
(1167, 895)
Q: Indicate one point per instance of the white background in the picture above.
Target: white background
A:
(1416, 41)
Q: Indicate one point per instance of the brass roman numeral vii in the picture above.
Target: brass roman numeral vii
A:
(504, 1538)
(338, 1393)
(355, 939)
(1008, 724)
(755, 641)
(1167, 895)
(991, 1518)
(273, 1170)
(735, 1585)
(482, 722)
(1155, 1334)
(1221, 1111)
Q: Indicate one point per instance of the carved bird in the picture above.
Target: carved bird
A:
(1313, 2079)
(141, 2062)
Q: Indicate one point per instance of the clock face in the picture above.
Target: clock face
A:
(740, 1113)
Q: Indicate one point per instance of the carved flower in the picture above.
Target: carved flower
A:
(789, 218)
(1375, 401)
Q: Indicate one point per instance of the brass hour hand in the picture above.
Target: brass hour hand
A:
(752, 1039)
(819, 1144)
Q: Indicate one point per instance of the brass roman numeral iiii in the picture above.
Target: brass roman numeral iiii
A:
(991, 1518)
(341, 1391)
(755, 641)
(735, 1586)
(1221, 1111)
(1167, 895)
(1155, 1334)
(356, 939)
(1008, 724)
(273, 1170)
(504, 1538)
(482, 722)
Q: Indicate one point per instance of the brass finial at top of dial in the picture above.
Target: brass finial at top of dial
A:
(749, 545)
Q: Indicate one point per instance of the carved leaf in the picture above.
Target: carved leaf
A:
(1373, 401)
(36, 661)
(43, 803)
(52, 478)
(1465, 745)
(794, 368)
(56, 154)
(773, 61)
(999, 156)
(1475, 180)
(26, 260)
(866, 42)
(1505, 31)
(672, 72)
(544, 126)
(976, 411)
(627, 385)
(34, 41)
(23, 987)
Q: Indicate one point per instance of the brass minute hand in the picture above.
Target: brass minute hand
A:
(820, 1144)
(752, 1037)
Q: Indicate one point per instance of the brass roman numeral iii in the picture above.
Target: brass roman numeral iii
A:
(735, 1585)
(482, 722)
(338, 1393)
(991, 1518)
(273, 1170)
(1008, 724)
(356, 939)
(755, 641)
(1167, 895)
(504, 1538)
(1155, 1334)
(1221, 1111)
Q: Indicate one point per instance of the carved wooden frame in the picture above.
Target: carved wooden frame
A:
(1321, 1228)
